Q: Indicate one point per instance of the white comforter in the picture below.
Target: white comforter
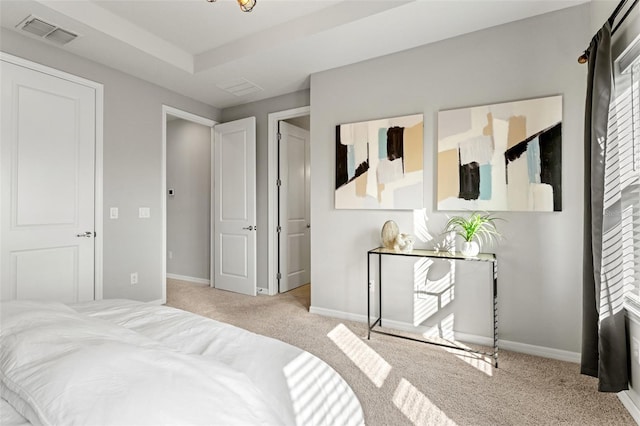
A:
(124, 362)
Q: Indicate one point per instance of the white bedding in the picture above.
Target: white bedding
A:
(124, 362)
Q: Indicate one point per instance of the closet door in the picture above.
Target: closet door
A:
(47, 157)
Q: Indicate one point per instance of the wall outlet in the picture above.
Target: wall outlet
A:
(134, 278)
(372, 286)
(144, 212)
(113, 213)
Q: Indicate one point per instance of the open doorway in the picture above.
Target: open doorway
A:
(187, 149)
(188, 200)
(289, 200)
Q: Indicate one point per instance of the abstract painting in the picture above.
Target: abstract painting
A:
(379, 164)
(501, 157)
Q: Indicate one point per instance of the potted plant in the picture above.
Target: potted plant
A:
(477, 228)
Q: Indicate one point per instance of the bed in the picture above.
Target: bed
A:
(122, 362)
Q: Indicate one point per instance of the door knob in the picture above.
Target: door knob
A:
(87, 234)
(249, 228)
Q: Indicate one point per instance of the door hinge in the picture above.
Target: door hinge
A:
(279, 229)
(278, 276)
(278, 183)
(279, 136)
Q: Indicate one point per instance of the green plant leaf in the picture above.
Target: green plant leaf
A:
(478, 226)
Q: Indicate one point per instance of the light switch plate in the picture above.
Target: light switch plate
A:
(113, 213)
(144, 212)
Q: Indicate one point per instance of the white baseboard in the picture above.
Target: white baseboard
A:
(541, 351)
(189, 279)
(156, 302)
(631, 407)
(508, 345)
(337, 314)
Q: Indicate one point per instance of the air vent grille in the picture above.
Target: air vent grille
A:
(38, 27)
(60, 36)
(240, 87)
(46, 30)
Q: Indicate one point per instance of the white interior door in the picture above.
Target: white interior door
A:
(295, 250)
(234, 206)
(47, 156)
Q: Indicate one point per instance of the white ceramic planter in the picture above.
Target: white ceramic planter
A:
(470, 248)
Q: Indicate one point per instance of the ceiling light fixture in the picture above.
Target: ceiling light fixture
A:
(245, 5)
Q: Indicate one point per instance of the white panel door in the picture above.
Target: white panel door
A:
(234, 206)
(295, 242)
(47, 156)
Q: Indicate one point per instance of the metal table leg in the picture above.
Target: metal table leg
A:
(495, 312)
(368, 296)
(380, 289)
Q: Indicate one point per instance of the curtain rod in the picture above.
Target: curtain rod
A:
(585, 56)
(624, 17)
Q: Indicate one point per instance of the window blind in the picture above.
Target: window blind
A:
(625, 127)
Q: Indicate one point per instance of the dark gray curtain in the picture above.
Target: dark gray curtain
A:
(604, 347)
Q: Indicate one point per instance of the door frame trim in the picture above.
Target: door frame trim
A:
(169, 110)
(98, 253)
(272, 192)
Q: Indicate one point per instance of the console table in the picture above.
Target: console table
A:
(380, 252)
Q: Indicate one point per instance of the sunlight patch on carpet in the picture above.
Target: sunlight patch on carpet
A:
(365, 358)
(443, 333)
(480, 362)
(417, 407)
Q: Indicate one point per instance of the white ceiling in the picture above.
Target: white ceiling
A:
(193, 46)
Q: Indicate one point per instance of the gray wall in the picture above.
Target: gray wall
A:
(541, 259)
(600, 12)
(189, 209)
(132, 164)
(261, 110)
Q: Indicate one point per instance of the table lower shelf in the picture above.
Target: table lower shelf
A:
(378, 323)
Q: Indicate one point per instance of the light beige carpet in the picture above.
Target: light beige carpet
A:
(401, 382)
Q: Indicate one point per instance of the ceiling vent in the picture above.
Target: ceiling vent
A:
(46, 30)
(240, 87)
